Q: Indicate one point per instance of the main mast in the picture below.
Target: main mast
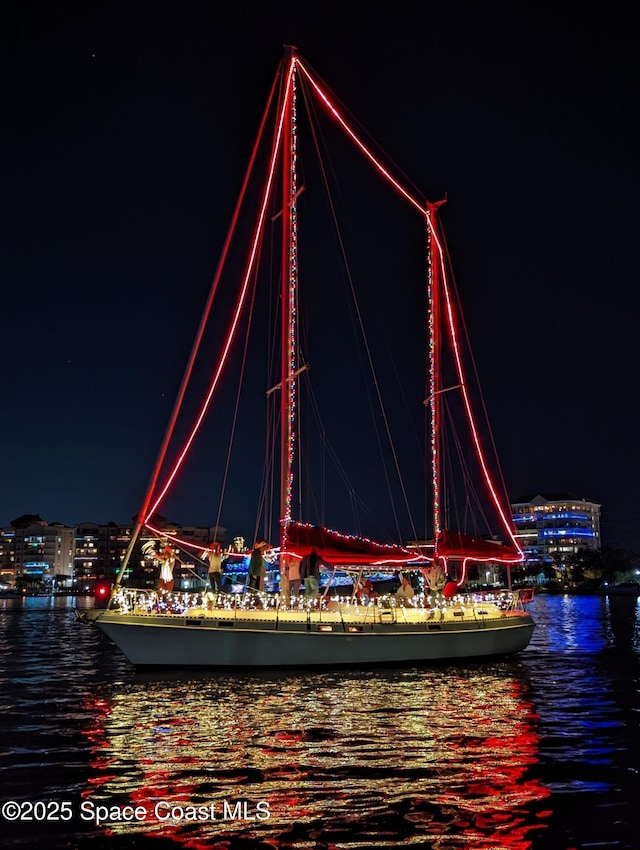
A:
(289, 293)
(433, 295)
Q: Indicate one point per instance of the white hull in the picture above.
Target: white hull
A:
(320, 639)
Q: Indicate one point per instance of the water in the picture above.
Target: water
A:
(541, 751)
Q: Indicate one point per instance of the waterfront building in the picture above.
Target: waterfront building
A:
(556, 526)
(34, 552)
(7, 558)
(42, 552)
(99, 550)
(203, 535)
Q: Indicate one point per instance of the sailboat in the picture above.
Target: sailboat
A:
(338, 625)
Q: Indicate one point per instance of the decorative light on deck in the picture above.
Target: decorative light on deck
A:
(185, 604)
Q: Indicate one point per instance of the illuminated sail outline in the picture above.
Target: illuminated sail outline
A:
(285, 137)
(234, 324)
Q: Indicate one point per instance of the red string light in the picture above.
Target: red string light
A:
(437, 281)
(236, 316)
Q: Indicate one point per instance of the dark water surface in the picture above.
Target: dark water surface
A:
(540, 751)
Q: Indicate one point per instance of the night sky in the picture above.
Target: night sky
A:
(125, 134)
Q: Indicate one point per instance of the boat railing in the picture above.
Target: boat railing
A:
(323, 610)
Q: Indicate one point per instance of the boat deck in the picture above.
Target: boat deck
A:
(269, 611)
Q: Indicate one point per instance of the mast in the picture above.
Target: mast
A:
(442, 319)
(433, 289)
(289, 295)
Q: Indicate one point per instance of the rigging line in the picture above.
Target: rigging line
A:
(338, 465)
(448, 484)
(306, 494)
(465, 394)
(236, 317)
(470, 490)
(359, 143)
(475, 372)
(323, 487)
(181, 546)
(179, 542)
(419, 443)
(312, 399)
(354, 506)
(237, 404)
(320, 508)
(315, 505)
(304, 344)
(145, 512)
(425, 487)
(367, 351)
(270, 482)
(334, 456)
(361, 129)
(264, 506)
(272, 363)
(262, 513)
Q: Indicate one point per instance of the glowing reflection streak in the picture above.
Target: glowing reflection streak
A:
(209, 740)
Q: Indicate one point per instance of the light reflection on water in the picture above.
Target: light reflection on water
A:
(433, 752)
(481, 755)
(584, 671)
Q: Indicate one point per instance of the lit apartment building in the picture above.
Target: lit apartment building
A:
(42, 552)
(99, 549)
(556, 524)
(33, 551)
(7, 557)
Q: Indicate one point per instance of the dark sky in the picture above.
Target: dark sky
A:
(125, 133)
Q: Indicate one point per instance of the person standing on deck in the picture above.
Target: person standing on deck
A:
(215, 567)
(310, 573)
(258, 566)
(294, 577)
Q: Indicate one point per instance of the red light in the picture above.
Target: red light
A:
(101, 594)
